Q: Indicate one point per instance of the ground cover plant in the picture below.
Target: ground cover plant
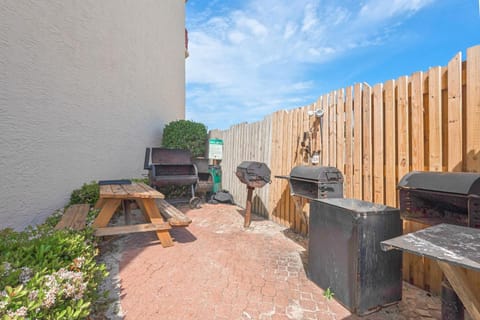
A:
(49, 274)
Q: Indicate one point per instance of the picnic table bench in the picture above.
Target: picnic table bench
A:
(455, 248)
(75, 217)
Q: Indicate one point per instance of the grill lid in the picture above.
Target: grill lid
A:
(171, 156)
(449, 182)
(318, 174)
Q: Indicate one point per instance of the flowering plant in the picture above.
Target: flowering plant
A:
(48, 274)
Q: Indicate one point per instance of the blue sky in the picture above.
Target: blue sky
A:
(249, 58)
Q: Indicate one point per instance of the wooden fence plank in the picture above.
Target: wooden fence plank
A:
(473, 110)
(349, 143)
(332, 129)
(435, 119)
(325, 131)
(455, 115)
(390, 144)
(357, 145)
(403, 140)
(418, 145)
(340, 131)
(367, 149)
(378, 144)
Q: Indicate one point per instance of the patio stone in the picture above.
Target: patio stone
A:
(219, 270)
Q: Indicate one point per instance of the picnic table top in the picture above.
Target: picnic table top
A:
(134, 190)
(444, 242)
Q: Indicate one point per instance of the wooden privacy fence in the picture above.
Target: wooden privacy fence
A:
(374, 135)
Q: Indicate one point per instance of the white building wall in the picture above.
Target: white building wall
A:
(85, 86)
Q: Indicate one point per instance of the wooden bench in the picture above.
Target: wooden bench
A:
(75, 217)
(172, 215)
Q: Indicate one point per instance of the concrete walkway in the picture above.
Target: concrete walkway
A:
(219, 270)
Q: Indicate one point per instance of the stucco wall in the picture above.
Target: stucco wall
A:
(85, 86)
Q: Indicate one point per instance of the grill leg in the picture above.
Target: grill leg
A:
(248, 207)
(452, 307)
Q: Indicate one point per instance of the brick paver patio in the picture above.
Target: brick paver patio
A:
(219, 270)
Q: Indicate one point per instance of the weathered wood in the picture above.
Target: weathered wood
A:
(129, 191)
(455, 150)
(390, 144)
(473, 110)
(367, 139)
(459, 281)
(435, 119)
(325, 124)
(358, 144)
(418, 141)
(340, 131)
(145, 227)
(75, 217)
(248, 208)
(403, 128)
(348, 187)
(162, 235)
(332, 140)
(172, 215)
(106, 213)
(378, 145)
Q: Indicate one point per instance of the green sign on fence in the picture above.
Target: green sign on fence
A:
(215, 149)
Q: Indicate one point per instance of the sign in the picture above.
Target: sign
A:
(215, 149)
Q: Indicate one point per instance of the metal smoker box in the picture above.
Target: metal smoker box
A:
(344, 252)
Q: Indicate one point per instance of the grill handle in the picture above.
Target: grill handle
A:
(146, 164)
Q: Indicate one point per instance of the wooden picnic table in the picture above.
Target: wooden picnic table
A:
(455, 248)
(112, 196)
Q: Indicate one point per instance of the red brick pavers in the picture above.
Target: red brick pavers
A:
(219, 270)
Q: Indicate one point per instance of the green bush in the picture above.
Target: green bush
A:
(48, 274)
(88, 193)
(185, 134)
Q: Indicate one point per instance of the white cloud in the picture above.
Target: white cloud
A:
(252, 60)
(310, 17)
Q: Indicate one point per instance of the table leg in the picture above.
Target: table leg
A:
(99, 204)
(153, 214)
(108, 209)
(458, 279)
(126, 211)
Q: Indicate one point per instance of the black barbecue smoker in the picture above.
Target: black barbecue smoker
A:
(432, 198)
(168, 167)
(441, 197)
(255, 175)
(313, 182)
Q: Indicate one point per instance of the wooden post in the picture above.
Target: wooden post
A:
(248, 207)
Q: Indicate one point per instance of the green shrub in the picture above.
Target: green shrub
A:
(185, 134)
(88, 193)
(48, 274)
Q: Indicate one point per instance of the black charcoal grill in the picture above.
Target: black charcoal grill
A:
(432, 198)
(441, 197)
(171, 167)
(313, 183)
(255, 175)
